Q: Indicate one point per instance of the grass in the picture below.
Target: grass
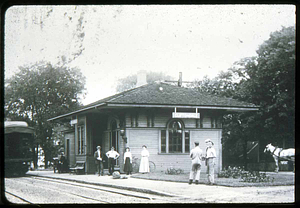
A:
(279, 179)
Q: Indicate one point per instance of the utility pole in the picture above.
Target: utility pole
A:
(179, 80)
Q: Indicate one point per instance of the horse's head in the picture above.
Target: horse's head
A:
(267, 148)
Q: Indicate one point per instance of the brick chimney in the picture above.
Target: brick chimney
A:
(141, 78)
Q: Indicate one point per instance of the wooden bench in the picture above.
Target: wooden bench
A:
(79, 168)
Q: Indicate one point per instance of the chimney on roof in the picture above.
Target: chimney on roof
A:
(180, 79)
(141, 78)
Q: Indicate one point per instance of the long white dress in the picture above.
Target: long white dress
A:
(144, 166)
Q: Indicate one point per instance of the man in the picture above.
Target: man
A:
(98, 155)
(210, 161)
(196, 155)
(112, 156)
(62, 165)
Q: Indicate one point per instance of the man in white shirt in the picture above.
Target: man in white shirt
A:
(112, 155)
(210, 161)
(98, 155)
(196, 155)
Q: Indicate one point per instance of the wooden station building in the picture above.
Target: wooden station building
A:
(167, 118)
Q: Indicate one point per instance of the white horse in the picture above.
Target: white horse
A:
(280, 154)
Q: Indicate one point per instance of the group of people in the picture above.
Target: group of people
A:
(113, 155)
(196, 154)
(197, 157)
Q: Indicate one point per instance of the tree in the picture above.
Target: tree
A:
(267, 80)
(271, 84)
(39, 92)
(223, 85)
(130, 81)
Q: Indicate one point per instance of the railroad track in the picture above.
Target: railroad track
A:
(18, 197)
(85, 193)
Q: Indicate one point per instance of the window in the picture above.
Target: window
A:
(175, 139)
(81, 138)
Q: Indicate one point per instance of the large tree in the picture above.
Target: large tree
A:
(41, 91)
(267, 80)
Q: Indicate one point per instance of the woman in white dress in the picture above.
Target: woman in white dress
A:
(144, 166)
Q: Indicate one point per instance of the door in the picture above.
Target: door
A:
(114, 137)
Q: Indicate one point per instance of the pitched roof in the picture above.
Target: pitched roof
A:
(166, 94)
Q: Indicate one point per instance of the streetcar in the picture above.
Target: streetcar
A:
(18, 151)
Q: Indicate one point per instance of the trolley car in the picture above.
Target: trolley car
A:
(18, 147)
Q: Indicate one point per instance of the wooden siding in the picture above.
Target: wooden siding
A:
(206, 122)
(138, 137)
(150, 138)
(161, 119)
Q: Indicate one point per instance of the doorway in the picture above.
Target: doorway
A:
(114, 137)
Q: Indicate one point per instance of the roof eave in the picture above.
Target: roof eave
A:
(75, 112)
(232, 108)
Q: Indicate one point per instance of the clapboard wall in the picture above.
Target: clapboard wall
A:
(139, 133)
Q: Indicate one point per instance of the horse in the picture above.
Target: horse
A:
(279, 153)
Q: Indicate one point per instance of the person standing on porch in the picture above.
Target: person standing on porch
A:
(112, 155)
(98, 155)
(127, 161)
(144, 166)
(196, 155)
(210, 161)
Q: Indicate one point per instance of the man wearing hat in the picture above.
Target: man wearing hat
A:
(196, 155)
(98, 155)
(210, 161)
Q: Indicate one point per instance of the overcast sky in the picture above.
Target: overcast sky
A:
(113, 42)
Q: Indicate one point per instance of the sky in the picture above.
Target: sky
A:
(110, 42)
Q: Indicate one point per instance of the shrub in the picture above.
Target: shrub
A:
(255, 177)
(231, 172)
(245, 176)
(174, 171)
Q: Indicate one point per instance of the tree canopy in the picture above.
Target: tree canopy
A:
(267, 80)
(39, 92)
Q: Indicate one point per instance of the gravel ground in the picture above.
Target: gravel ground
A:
(201, 193)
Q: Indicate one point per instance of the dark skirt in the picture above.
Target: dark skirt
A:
(128, 165)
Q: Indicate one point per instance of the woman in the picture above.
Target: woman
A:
(127, 161)
(144, 166)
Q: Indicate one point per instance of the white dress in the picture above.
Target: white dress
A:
(144, 166)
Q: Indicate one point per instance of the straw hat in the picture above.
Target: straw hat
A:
(208, 140)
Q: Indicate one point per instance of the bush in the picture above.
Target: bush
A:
(231, 172)
(255, 177)
(245, 176)
(173, 171)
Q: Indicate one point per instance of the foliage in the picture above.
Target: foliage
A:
(255, 177)
(245, 176)
(174, 171)
(231, 172)
(267, 80)
(39, 92)
(223, 85)
(129, 82)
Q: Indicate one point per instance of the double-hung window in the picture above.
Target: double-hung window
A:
(81, 138)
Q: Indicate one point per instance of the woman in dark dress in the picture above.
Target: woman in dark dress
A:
(127, 161)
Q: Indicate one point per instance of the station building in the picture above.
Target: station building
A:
(167, 118)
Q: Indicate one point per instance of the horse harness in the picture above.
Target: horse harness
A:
(286, 158)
